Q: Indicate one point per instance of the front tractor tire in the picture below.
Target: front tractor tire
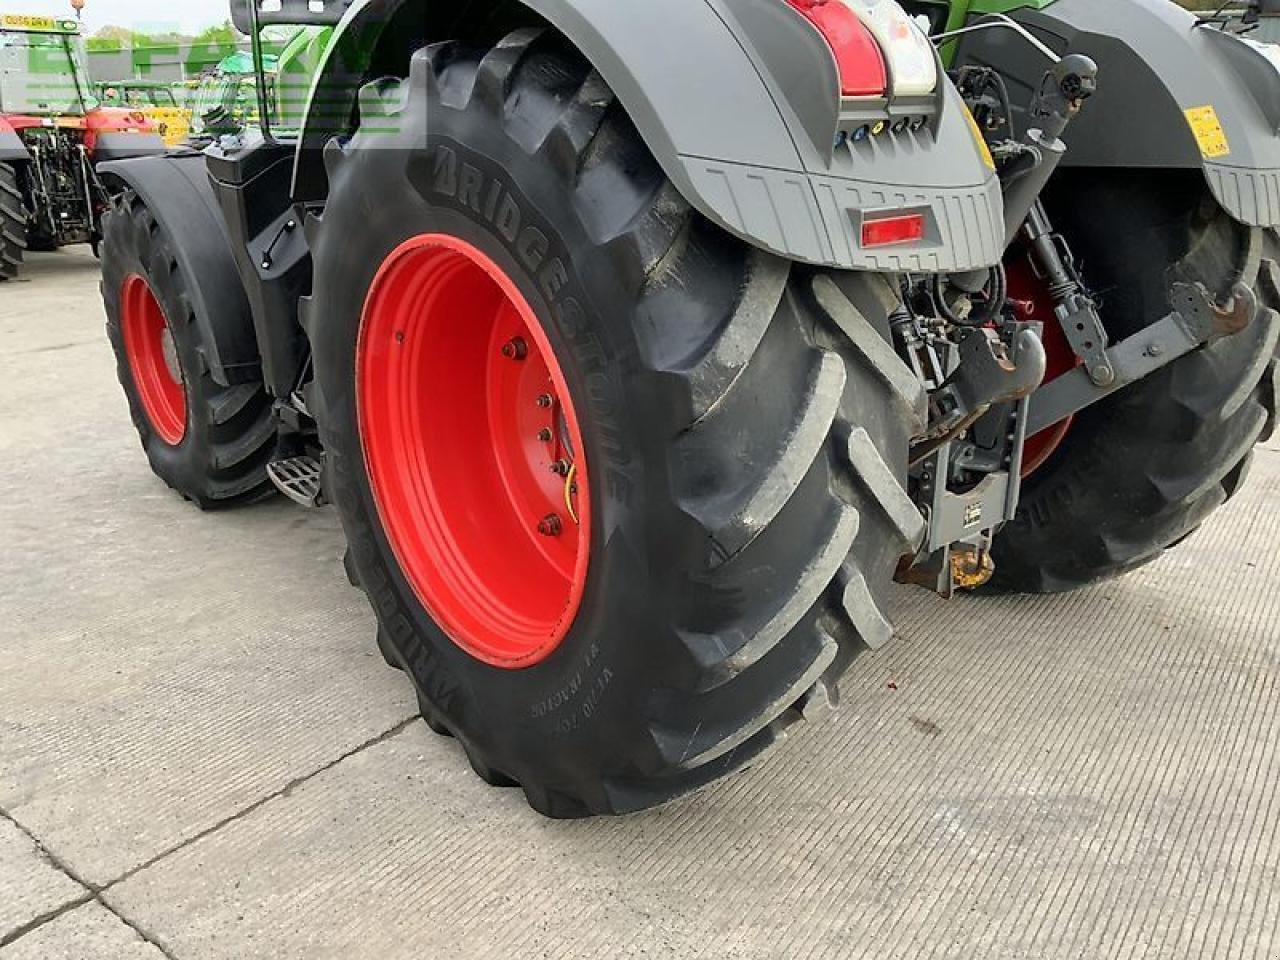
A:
(625, 494)
(209, 442)
(13, 223)
(1139, 472)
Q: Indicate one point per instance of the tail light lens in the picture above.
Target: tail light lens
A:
(912, 62)
(862, 67)
(891, 231)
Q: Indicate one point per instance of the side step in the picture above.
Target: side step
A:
(298, 478)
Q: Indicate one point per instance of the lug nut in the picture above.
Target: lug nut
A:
(550, 526)
(561, 468)
(545, 435)
(544, 400)
(515, 349)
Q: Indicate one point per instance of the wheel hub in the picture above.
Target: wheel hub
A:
(473, 451)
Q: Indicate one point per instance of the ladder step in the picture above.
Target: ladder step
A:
(298, 478)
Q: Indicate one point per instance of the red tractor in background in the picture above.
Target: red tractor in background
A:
(52, 133)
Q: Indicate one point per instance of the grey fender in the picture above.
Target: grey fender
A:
(11, 146)
(127, 146)
(736, 99)
(1155, 66)
(177, 192)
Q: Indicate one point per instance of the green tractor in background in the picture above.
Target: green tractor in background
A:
(224, 100)
(1171, 174)
(299, 60)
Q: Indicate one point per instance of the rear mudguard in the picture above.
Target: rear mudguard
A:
(12, 149)
(177, 191)
(126, 146)
(112, 133)
(736, 99)
(1171, 95)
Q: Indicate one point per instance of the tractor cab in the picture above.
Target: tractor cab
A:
(42, 70)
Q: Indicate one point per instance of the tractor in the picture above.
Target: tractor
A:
(640, 347)
(52, 134)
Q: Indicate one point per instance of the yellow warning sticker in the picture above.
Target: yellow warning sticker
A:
(1208, 132)
(19, 21)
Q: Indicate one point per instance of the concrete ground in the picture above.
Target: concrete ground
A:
(202, 755)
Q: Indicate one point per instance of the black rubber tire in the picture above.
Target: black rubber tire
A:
(1140, 472)
(13, 223)
(755, 453)
(231, 431)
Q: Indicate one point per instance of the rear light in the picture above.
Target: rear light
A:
(888, 231)
(862, 68)
(912, 62)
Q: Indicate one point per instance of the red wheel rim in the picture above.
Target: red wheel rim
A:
(153, 360)
(1037, 304)
(473, 451)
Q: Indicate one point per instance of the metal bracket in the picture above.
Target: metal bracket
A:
(1078, 317)
(1196, 320)
(955, 517)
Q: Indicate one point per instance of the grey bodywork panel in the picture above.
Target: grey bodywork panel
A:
(178, 194)
(11, 146)
(1155, 65)
(736, 99)
(126, 146)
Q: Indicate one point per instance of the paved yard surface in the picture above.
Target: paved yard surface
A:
(201, 754)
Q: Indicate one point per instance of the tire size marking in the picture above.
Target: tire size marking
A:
(578, 699)
(464, 183)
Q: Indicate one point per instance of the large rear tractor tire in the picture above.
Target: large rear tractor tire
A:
(625, 494)
(208, 442)
(13, 223)
(1141, 471)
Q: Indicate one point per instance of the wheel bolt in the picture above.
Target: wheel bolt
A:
(515, 349)
(561, 467)
(544, 435)
(544, 400)
(550, 526)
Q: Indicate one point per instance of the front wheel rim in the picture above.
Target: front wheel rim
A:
(153, 361)
(473, 450)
